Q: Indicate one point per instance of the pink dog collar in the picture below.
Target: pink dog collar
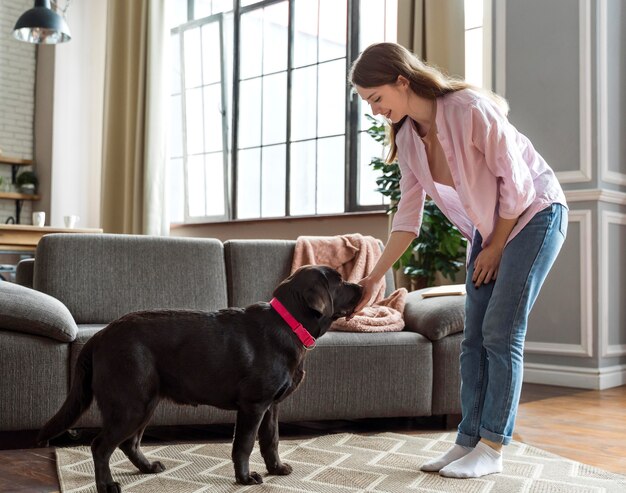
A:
(308, 341)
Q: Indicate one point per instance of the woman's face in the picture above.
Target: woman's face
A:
(389, 100)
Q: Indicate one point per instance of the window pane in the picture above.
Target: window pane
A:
(330, 175)
(275, 38)
(305, 33)
(302, 178)
(368, 149)
(251, 54)
(273, 185)
(245, 3)
(222, 6)
(215, 182)
(331, 109)
(248, 183)
(175, 53)
(176, 127)
(177, 191)
(178, 13)
(332, 29)
(473, 13)
(372, 25)
(194, 126)
(195, 185)
(211, 53)
(250, 113)
(213, 138)
(274, 108)
(201, 8)
(193, 74)
(303, 103)
(474, 56)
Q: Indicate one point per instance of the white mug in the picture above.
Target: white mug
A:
(39, 218)
(70, 221)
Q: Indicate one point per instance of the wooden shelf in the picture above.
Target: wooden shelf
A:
(15, 161)
(18, 196)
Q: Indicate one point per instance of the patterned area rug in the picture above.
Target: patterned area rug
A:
(383, 462)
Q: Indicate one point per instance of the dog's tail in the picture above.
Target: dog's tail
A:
(77, 402)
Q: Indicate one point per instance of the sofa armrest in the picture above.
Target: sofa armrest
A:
(26, 310)
(436, 317)
(24, 272)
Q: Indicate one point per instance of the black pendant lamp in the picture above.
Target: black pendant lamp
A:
(41, 25)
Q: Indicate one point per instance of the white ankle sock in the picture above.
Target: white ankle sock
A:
(456, 452)
(479, 462)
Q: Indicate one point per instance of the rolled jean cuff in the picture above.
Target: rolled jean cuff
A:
(494, 437)
(466, 440)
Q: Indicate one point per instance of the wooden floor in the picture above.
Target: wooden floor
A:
(587, 426)
(584, 425)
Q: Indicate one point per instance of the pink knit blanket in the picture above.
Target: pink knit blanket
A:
(354, 256)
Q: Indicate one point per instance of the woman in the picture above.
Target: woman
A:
(454, 143)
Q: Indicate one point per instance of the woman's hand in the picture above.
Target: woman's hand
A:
(487, 262)
(370, 286)
(486, 265)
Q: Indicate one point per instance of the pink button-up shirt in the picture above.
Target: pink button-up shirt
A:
(495, 169)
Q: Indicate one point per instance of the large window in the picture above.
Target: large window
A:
(478, 42)
(264, 124)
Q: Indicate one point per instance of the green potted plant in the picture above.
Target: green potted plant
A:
(27, 182)
(440, 246)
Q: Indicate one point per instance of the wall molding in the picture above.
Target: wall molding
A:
(585, 133)
(596, 195)
(573, 376)
(606, 174)
(607, 350)
(584, 173)
(585, 347)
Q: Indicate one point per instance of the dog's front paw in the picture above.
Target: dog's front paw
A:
(281, 470)
(110, 488)
(156, 467)
(252, 478)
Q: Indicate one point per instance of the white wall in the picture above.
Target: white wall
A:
(78, 115)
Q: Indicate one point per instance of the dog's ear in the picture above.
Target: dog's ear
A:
(319, 299)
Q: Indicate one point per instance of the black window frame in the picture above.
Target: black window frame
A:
(352, 115)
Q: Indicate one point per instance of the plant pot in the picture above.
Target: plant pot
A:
(418, 283)
(28, 188)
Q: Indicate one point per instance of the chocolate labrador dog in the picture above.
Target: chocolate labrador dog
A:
(246, 359)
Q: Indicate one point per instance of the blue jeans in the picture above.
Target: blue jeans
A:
(496, 317)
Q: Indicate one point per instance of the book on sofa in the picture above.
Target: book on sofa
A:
(450, 290)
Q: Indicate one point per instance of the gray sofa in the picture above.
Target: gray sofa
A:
(78, 283)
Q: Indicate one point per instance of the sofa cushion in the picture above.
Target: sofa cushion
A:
(435, 317)
(34, 381)
(101, 277)
(353, 375)
(256, 267)
(24, 272)
(26, 310)
(447, 375)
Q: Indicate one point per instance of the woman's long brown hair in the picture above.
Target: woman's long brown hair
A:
(382, 63)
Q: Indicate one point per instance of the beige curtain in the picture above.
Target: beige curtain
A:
(435, 31)
(136, 107)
